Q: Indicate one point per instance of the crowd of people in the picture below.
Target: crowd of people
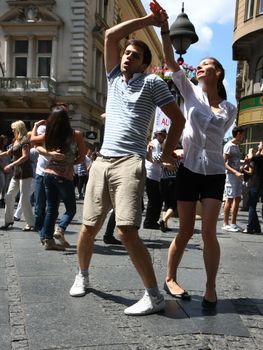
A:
(182, 166)
(41, 163)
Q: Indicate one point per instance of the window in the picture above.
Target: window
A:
(40, 52)
(21, 46)
(260, 7)
(102, 6)
(250, 9)
(20, 56)
(259, 70)
(20, 66)
(44, 52)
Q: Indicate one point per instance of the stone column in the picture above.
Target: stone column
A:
(8, 58)
(30, 61)
(53, 73)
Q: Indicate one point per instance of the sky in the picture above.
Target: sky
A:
(214, 23)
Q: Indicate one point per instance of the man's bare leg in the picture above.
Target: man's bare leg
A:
(152, 301)
(85, 251)
(138, 254)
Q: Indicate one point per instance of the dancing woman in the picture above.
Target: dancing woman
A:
(202, 176)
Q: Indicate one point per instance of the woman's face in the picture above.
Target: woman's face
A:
(207, 70)
(14, 132)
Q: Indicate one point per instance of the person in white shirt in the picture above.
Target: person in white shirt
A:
(202, 176)
(153, 178)
(234, 180)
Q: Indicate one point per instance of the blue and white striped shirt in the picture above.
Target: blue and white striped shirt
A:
(130, 107)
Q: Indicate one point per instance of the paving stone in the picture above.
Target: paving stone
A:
(173, 321)
(41, 289)
(5, 342)
(2, 278)
(224, 320)
(37, 313)
(43, 263)
(117, 277)
(4, 314)
(52, 325)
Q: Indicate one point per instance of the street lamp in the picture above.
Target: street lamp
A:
(182, 34)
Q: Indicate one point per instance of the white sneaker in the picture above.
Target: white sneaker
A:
(80, 286)
(59, 234)
(233, 228)
(230, 228)
(50, 244)
(238, 228)
(147, 305)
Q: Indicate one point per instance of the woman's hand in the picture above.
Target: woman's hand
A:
(8, 168)
(40, 122)
(178, 154)
(150, 146)
(56, 155)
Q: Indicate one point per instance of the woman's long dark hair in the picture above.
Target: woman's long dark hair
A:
(58, 131)
(2, 142)
(220, 86)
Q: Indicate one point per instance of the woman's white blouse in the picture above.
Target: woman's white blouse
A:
(204, 130)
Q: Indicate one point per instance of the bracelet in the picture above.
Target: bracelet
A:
(163, 32)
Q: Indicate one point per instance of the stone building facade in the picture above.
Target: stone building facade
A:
(52, 50)
(248, 51)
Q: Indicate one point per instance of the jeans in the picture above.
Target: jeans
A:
(253, 222)
(40, 202)
(82, 181)
(58, 188)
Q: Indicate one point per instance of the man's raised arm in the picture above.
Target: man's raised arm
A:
(115, 34)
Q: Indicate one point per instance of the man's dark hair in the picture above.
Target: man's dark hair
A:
(147, 55)
(236, 130)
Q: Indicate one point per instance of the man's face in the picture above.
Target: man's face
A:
(132, 61)
(240, 136)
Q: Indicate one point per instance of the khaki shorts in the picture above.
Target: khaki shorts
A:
(115, 182)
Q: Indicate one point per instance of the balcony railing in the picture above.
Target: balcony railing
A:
(41, 84)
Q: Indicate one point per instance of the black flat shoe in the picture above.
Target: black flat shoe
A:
(184, 296)
(6, 226)
(162, 226)
(209, 305)
(111, 240)
(152, 226)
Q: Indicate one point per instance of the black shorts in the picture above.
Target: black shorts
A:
(193, 186)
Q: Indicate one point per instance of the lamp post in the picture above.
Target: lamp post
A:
(182, 34)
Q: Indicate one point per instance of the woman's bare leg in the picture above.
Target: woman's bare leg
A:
(186, 211)
(211, 253)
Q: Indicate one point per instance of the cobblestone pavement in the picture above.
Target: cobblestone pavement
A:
(36, 311)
